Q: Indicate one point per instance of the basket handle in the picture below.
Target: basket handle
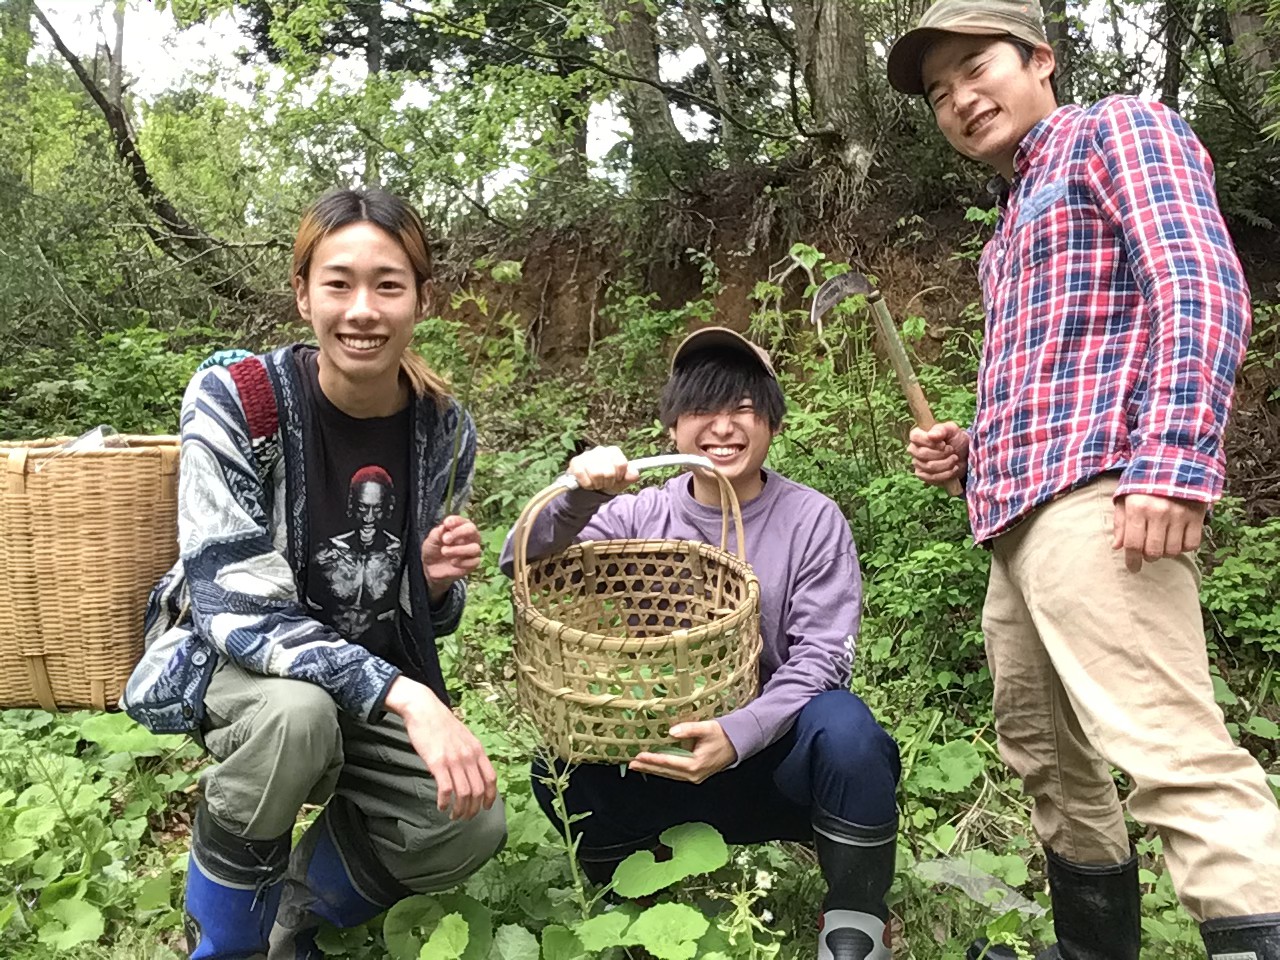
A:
(729, 507)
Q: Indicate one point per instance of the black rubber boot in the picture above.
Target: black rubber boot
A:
(857, 862)
(1097, 913)
(1243, 938)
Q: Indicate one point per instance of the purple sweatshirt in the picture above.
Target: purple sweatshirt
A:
(802, 551)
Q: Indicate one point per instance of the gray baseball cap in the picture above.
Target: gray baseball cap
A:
(725, 339)
(993, 18)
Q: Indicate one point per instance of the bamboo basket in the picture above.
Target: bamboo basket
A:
(83, 537)
(617, 640)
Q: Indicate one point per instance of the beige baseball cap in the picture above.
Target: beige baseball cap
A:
(725, 339)
(995, 18)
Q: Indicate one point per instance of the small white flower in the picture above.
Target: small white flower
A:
(764, 879)
(766, 916)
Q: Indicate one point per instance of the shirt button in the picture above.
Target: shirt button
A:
(199, 658)
(187, 711)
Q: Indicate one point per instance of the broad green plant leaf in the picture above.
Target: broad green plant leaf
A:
(15, 850)
(73, 923)
(1262, 727)
(35, 822)
(950, 768)
(604, 931)
(118, 733)
(695, 848)
(559, 943)
(447, 941)
(155, 893)
(512, 942)
(669, 930)
(410, 924)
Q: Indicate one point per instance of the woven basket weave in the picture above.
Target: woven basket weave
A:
(617, 640)
(83, 537)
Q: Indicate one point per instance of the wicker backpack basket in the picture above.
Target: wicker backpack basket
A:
(83, 537)
(617, 640)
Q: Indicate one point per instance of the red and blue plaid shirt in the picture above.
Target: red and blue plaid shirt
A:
(1117, 315)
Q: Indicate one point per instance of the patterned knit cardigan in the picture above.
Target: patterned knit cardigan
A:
(244, 544)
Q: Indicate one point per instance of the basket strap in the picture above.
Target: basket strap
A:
(17, 470)
(41, 686)
(169, 456)
(98, 694)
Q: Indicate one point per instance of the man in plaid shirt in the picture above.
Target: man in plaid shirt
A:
(1117, 315)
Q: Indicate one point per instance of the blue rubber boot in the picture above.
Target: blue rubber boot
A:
(233, 891)
(327, 884)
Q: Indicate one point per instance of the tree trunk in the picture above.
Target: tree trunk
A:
(115, 90)
(1175, 39)
(373, 68)
(831, 47)
(1256, 52)
(655, 139)
(1058, 28)
(735, 147)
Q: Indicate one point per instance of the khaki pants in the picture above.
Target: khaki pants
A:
(1095, 666)
(283, 742)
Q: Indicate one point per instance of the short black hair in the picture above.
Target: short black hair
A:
(715, 379)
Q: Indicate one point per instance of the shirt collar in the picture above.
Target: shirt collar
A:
(1032, 145)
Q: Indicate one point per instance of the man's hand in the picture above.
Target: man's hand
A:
(450, 552)
(712, 752)
(1150, 528)
(604, 469)
(939, 454)
(465, 779)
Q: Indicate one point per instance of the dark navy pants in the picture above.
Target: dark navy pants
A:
(836, 757)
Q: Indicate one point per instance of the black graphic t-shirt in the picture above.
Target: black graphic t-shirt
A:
(357, 483)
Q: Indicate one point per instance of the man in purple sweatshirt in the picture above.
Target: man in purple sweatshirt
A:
(805, 760)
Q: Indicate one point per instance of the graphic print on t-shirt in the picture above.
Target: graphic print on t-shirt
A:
(361, 567)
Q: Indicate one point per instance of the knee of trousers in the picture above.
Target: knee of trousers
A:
(846, 737)
(474, 843)
(300, 729)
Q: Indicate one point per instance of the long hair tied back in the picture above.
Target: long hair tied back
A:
(342, 207)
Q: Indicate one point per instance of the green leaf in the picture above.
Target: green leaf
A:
(559, 943)
(15, 850)
(74, 923)
(118, 733)
(604, 931)
(695, 848)
(512, 942)
(950, 768)
(1004, 926)
(7, 912)
(447, 941)
(155, 893)
(806, 255)
(507, 271)
(411, 922)
(1223, 693)
(669, 930)
(1262, 727)
(36, 822)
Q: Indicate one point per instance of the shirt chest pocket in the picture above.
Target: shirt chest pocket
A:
(1042, 231)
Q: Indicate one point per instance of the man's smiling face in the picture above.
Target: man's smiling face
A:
(985, 96)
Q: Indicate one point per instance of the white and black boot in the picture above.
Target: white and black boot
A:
(857, 862)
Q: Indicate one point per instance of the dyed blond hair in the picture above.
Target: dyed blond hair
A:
(342, 207)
